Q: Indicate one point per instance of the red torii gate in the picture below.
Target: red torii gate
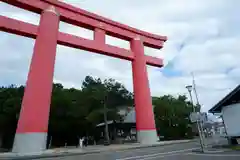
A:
(31, 133)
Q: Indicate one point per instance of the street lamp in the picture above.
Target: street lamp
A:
(189, 88)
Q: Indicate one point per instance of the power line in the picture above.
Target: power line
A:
(194, 88)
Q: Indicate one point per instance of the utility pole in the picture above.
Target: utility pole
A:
(194, 89)
(198, 104)
(189, 88)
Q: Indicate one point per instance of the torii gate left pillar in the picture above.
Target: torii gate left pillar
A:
(32, 127)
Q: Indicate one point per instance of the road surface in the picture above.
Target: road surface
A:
(169, 152)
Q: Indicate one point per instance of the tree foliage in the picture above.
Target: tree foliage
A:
(76, 112)
(172, 116)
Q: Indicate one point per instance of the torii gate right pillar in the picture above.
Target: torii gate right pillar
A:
(145, 122)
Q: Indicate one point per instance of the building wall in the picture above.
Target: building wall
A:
(231, 117)
(129, 113)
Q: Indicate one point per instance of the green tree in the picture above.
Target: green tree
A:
(82, 109)
(110, 92)
(172, 116)
(10, 104)
(76, 112)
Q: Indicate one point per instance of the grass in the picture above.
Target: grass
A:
(233, 147)
(237, 147)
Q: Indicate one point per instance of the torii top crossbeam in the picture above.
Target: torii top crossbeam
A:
(82, 18)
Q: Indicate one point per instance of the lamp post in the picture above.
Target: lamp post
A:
(194, 89)
(189, 88)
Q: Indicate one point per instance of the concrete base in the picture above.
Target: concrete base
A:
(147, 136)
(29, 142)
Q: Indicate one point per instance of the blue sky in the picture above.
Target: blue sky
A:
(203, 38)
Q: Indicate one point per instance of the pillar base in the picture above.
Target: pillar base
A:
(147, 136)
(29, 142)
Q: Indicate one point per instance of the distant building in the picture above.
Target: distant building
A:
(125, 128)
(229, 107)
(214, 128)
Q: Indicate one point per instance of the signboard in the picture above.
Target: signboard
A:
(198, 116)
(194, 116)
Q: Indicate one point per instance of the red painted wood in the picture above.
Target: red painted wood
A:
(30, 30)
(99, 36)
(154, 61)
(18, 27)
(105, 20)
(36, 101)
(85, 19)
(142, 96)
(35, 108)
(94, 46)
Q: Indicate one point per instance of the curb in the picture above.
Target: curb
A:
(210, 151)
(67, 153)
(50, 155)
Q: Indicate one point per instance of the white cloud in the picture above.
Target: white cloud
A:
(212, 55)
(203, 37)
(19, 14)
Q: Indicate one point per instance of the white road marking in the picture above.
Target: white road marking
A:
(158, 148)
(162, 156)
(157, 154)
(214, 155)
(216, 151)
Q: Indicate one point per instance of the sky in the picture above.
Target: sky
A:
(203, 38)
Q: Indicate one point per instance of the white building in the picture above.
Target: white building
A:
(229, 108)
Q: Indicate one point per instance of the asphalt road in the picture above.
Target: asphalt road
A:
(168, 152)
